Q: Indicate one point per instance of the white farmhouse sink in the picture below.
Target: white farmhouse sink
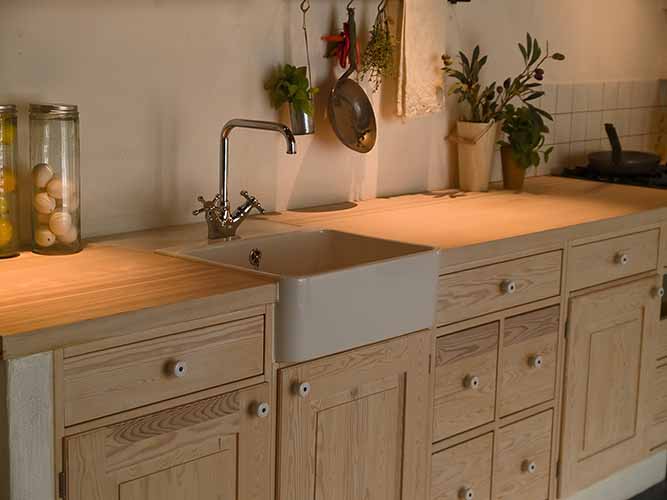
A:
(337, 291)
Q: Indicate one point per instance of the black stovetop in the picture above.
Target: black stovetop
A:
(657, 180)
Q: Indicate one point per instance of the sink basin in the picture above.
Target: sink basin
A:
(337, 291)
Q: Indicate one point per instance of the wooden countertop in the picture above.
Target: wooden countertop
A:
(40, 296)
(549, 209)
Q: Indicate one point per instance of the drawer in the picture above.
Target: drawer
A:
(127, 377)
(523, 459)
(529, 360)
(465, 380)
(483, 290)
(463, 471)
(611, 259)
(658, 398)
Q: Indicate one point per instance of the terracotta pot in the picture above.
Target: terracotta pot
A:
(476, 148)
(513, 173)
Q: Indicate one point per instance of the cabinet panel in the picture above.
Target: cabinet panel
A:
(486, 289)
(661, 350)
(658, 396)
(465, 380)
(611, 343)
(124, 378)
(612, 259)
(463, 470)
(343, 420)
(523, 456)
(218, 449)
(530, 357)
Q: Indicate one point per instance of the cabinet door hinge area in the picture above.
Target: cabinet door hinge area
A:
(62, 486)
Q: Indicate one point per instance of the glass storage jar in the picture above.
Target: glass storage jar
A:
(9, 238)
(54, 156)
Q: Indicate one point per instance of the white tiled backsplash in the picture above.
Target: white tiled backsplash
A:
(638, 110)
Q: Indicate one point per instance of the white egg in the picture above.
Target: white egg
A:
(70, 236)
(58, 189)
(43, 203)
(60, 223)
(44, 238)
(42, 173)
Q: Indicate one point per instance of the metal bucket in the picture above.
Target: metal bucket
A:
(302, 122)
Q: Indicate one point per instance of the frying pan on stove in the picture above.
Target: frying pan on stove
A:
(619, 163)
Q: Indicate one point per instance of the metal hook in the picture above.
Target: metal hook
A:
(382, 6)
(349, 4)
(305, 6)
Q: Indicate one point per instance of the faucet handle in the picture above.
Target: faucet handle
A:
(207, 206)
(252, 201)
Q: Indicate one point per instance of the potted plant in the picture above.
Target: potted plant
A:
(289, 84)
(484, 106)
(523, 148)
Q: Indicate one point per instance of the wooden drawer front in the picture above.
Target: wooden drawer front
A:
(529, 360)
(521, 447)
(658, 397)
(131, 376)
(465, 380)
(612, 259)
(482, 290)
(463, 470)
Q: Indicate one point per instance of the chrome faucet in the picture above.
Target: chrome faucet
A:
(222, 222)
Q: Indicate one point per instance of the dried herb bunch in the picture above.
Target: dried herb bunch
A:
(377, 62)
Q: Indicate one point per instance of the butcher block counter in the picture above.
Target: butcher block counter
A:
(51, 302)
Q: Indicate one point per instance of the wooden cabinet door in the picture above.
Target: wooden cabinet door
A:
(356, 425)
(215, 449)
(611, 335)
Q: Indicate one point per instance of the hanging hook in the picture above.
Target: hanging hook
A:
(305, 6)
(382, 6)
(349, 4)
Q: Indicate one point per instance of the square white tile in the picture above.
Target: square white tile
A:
(638, 121)
(662, 93)
(578, 155)
(560, 158)
(610, 95)
(593, 125)
(564, 100)
(579, 126)
(548, 100)
(625, 95)
(563, 128)
(595, 92)
(579, 97)
(593, 146)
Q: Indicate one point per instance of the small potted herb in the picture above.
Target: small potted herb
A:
(290, 84)
(523, 147)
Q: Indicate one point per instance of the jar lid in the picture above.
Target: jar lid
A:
(7, 108)
(54, 109)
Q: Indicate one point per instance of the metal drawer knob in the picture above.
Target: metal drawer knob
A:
(178, 369)
(536, 361)
(303, 390)
(471, 382)
(466, 494)
(508, 286)
(263, 410)
(529, 467)
(658, 292)
(622, 259)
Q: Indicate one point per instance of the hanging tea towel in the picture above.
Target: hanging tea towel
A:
(423, 41)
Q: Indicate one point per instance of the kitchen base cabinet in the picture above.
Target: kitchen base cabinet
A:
(657, 431)
(215, 449)
(609, 358)
(355, 425)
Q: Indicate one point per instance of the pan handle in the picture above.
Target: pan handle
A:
(352, 26)
(616, 149)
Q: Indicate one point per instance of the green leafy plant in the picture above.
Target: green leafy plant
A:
(489, 102)
(377, 63)
(289, 84)
(525, 131)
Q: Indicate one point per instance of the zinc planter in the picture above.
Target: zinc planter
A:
(302, 122)
(476, 147)
(513, 173)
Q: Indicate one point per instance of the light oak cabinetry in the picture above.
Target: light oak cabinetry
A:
(215, 449)
(355, 425)
(611, 343)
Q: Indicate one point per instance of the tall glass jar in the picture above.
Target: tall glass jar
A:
(9, 239)
(54, 156)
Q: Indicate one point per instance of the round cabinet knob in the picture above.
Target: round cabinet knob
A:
(262, 410)
(658, 292)
(508, 286)
(622, 259)
(303, 390)
(466, 494)
(529, 467)
(178, 368)
(471, 382)
(536, 361)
